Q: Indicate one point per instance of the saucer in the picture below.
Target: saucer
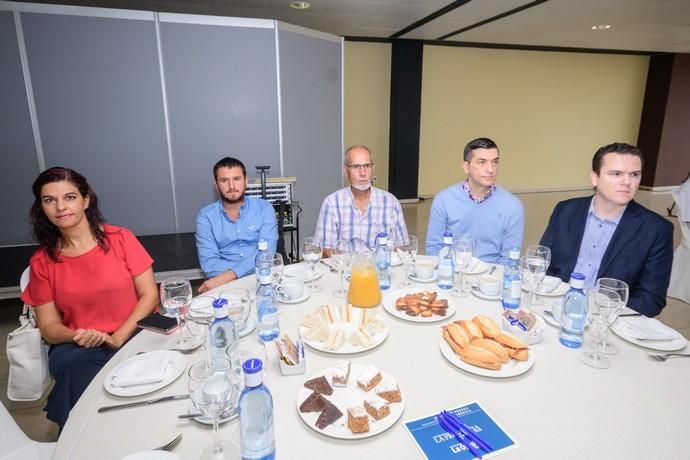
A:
(249, 326)
(477, 293)
(431, 279)
(299, 299)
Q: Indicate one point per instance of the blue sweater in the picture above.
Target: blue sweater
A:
(497, 223)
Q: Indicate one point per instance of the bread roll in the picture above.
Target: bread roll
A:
(520, 355)
(480, 357)
(494, 347)
(458, 334)
(510, 341)
(488, 326)
(456, 348)
(472, 329)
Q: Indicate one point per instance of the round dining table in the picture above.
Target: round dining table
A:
(559, 409)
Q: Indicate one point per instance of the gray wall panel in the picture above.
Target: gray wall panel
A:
(18, 161)
(311, 84)
(222, 100)
(99, 103)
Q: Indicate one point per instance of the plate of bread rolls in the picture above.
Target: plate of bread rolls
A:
(419, 305)
(480, 347)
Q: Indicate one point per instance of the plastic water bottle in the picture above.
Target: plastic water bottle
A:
(267, 307)
(261, 251)
(446, 262)
(383, 260)
(512, 281)
(222, 331)
(574, 313)
(256, 414)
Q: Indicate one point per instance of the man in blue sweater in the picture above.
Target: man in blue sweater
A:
(477, 206)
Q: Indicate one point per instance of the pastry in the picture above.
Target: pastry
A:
(341, 374)
(425, 304)
(376, 406)
(314, 403)
(319, 385)
(388, 390)
(357, 420)
(369, 378)
(328, 415)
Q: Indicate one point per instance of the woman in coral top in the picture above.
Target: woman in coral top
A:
(90, 283)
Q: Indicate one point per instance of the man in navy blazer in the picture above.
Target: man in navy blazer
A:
(609, 235)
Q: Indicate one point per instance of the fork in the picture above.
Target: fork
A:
(171, 445)
(664, 357)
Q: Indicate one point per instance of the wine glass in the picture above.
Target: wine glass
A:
(464, 253)
(621, 287)
(176, 296)
(198, 330)
(407, 252)
(534, 264)
(603, 304)
(341, 254)
(211, 389)
(312, 251)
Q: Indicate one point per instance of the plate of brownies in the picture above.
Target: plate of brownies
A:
(350, 401)
(418, 305)
(343, 329)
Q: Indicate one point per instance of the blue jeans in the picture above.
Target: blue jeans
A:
(73, 367)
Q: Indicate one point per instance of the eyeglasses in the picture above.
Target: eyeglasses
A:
(362, 167)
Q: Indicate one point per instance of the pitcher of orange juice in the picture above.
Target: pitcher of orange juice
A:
(364, 290)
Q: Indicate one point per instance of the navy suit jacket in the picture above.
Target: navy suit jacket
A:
(640, 251)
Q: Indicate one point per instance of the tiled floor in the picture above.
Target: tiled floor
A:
(538, 208)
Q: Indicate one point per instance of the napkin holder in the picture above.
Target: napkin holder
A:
(295, 369)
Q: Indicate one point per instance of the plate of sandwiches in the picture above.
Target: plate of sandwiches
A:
(343, 329)
(419, 306)
(479, 347)
(350, 401)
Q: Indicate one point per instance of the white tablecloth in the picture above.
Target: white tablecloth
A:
(560, 409)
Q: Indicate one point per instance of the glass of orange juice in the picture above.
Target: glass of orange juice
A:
(364, 290)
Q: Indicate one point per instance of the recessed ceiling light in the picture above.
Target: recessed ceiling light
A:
(601, 27)
(300, 5)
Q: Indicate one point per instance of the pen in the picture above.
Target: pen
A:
(465, 442)
(459, 424)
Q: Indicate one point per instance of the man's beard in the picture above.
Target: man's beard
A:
(362, 187)
(230, 201)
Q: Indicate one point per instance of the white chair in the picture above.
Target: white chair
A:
(679, 287)
(16, 445)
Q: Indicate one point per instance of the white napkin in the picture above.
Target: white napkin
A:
(549, 283)
(144, 369)
(642, 328)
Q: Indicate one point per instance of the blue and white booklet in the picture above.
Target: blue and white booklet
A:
(436, 444)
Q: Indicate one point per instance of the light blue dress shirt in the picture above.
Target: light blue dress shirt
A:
(595, 240)
(224, 244)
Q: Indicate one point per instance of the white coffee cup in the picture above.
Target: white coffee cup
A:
(489, 285)
(423, 269)
(292, 288)
(296, 271)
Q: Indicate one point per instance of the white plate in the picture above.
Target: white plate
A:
(201, 306)
(304, 271)
(175, 368)
(346, 349)
(559, 291)
(660, 345)
(510, 369)
(347, 397)
(476, 267)
(550, 320)
(424, 280)
(305, 295)
(475, 290)
(152, 455)
(389, 305)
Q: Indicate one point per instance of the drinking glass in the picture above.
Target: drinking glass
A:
(603, 304)
(240, 351)
(312, 251)
(621, 287)
(342, 256)
(534, 264)
(211, 389)
(464, 252)
(176, 295)
(198, 330)
(408, 252)
(239, 306)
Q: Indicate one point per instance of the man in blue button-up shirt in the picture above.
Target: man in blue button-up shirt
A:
(229, 230)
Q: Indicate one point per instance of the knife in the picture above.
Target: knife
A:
(147, 402)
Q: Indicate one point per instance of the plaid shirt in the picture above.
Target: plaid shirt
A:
(466, 187)
(340, 218)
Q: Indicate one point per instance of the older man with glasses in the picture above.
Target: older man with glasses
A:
(359, 212)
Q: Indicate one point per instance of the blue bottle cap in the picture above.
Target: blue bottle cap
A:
(252, 366)
(448, 235)
(577, 276)
(219, 302)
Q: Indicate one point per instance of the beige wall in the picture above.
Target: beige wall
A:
(548, 112)
(367, 101)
